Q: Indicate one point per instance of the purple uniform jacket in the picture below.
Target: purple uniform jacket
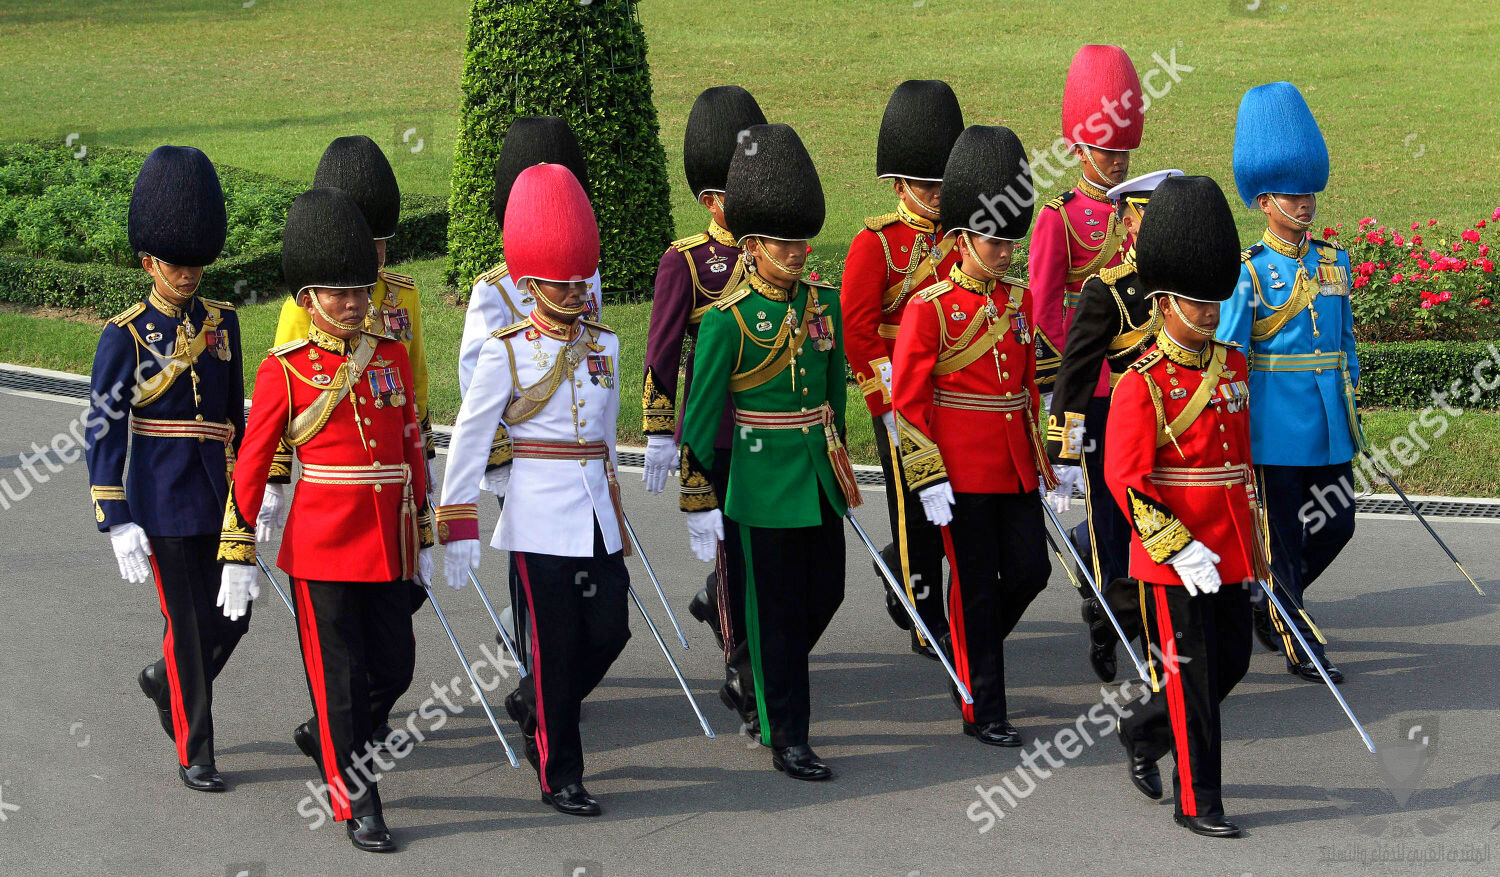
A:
(692, 275)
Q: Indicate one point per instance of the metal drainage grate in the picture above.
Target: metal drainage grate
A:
(78, 388)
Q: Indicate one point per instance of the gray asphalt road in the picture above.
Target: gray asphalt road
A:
(88, 783)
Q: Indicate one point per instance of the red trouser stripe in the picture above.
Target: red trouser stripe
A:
(174, 685)
(1176, 708)
(312, 660)
(536, 672)
(956, 623)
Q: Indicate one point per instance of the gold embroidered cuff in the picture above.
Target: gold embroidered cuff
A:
(921, 463)
(1162, 533)
(1061, 435)
(429, 444)
(658, 409)
(106, 492)
(500, 449)
(458, 521)
(425, 534)
(697, 488)
(281, 464)
(237, 536)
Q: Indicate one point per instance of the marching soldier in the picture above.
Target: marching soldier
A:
(1291, 310)
(694, 273)
(1078, 233)
(773, 349)
(1178, 462)
(497, 301)
(551, 380)
(1114, 323)
(894, 257)
(168, 395)
(357, 166)
(359, 532)
(966, 415)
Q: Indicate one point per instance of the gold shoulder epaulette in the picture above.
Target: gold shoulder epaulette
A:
(876, 223)
(1249, 252)
(398, 280)
(511, 329)
(1334, 244)
(215, 303)
(1016, 281)
(380, 336)
(682, 245)
(492, 276)
(1115, 273)
(726, 302)
(821, 284)
(1147, 361)
(289, 346)
(1232, 345)
(130, 313)
(935, 290)
(597, 325)
(1058, 202)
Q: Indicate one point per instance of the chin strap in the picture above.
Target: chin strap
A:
(969, 242)
(318, 306)
(1304, 226)
(1192, 327)
(761, 246)
(921, 205)
(168, 289)
(554, 307)
(1088, 156)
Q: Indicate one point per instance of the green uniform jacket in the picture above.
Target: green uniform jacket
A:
(774, 474)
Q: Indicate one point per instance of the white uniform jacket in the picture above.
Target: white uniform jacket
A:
(553, 497)
(495, 303)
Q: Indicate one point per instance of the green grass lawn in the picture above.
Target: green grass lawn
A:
(266, 85)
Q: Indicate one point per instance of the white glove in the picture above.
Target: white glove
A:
(131, 547)
(272, 515)
(1195, 566)
(1046, 402)
(460, 556)
(937, 502)
(705, 531)
(662, 459)
(1061, 497)
(497, 480)
(424, 567)
(889, 419)
(238, 587)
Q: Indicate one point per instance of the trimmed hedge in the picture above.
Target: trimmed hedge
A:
(107, 288)
(1405, 374)
(587, 63)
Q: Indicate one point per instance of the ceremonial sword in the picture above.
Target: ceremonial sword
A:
(916, 617)
(1413, 509)
(1062, 534)
(275, 584)
(707, 731)
(499, 628)
(468, 671)
(641, 553)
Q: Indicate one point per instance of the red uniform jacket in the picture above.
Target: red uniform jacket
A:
(891, 259)
(1177, 459)
(1076, 236)
(359, 513)
(965, 388)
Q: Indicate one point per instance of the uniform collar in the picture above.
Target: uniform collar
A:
(555, 331)
(1181, 355)
(771, 290)
(1089, 190)
(720, 234)
(1274, 241)
(907, 216)
(973, 284)
(175, 312)
(329, 342)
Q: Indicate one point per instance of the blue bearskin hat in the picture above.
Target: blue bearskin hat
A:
(1277, 145)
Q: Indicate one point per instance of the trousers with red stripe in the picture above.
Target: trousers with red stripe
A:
(996, 547)
(197, 639)
(358, 652)
(1201, 649)
(794, 583)
(576, 615)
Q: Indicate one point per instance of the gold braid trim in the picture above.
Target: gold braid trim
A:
(237, 536)
(1162, 533)
(501, 451)
(921, 462)
(697, 489)
(658, 410)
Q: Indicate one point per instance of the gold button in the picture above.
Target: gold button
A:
(198, 417)
(801, 371)
(804, 430)
(201, 439)
(1317, 371)
(372, 443)
(583, 462)
(804, 391)
(1005, 375)
(1221, 427)
(1004, 357)
(804, 409)
(583, 423)
(1226, 446)
(361, 400)
(377, 488)
(578, 383)
(1009, 416)
(582, 441)
(367, 421)
(582, 402)
(799, 351)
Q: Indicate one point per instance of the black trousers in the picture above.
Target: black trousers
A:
(357, 651)
(1105, 533)
(726, 585)
(1201, 651)
(578, 627)
(1302, 550)
(794, 583)
(197, 639)
(923, 541)
(996, 547)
